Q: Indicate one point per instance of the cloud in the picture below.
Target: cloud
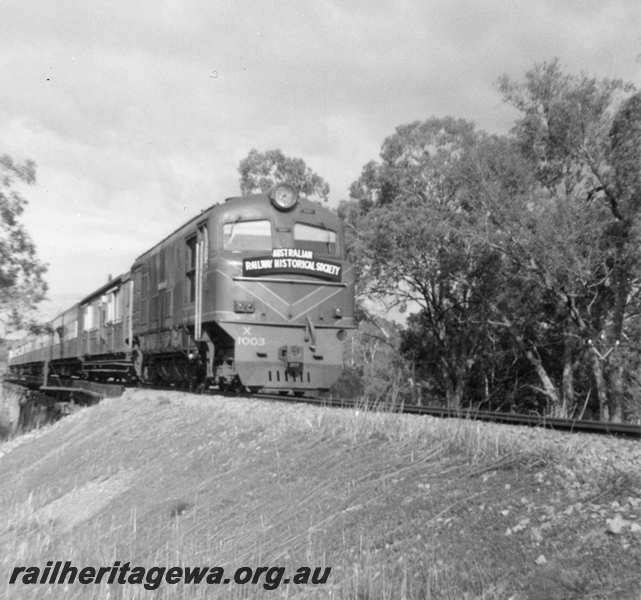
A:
(137, 113)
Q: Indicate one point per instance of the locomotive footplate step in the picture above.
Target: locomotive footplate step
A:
(292, 357)
(295, 369)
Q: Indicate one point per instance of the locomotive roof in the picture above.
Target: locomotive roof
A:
(257, 201)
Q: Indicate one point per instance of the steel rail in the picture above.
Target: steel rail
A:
(629, 430)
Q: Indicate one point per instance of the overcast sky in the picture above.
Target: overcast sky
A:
(137, 113)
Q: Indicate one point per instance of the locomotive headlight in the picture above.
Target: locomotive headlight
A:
(341, 334)
(283, 197)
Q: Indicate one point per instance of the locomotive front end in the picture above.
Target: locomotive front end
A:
(284, 294)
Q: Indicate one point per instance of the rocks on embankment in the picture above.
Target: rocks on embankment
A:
(21, 409)
(10, 398)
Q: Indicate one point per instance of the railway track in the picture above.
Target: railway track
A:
(91, 392)
(629, 430)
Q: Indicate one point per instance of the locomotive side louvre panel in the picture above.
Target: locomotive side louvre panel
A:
(137, 307)
(155, 296)
(152, 291)
(177, 301)
(166, 308)
(167, 319)
(129, 340)
(144, 296)
(176, 282)
(153, 313)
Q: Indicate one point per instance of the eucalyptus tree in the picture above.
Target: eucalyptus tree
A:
(415, 217)
(582, 137)
(260, 171)
(22, 284)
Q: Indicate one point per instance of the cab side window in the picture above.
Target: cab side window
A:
(191, 267)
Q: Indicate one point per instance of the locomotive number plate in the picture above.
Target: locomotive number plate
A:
(250, 341)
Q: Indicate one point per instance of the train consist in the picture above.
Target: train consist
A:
(253, 293)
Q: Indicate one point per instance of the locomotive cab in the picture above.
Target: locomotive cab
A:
(283, 292)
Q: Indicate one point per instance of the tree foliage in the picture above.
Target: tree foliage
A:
(261, 171)
(22, 284)
(520, 252)
(581, 137)
(418, 216)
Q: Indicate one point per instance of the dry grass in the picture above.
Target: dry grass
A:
(398, 506)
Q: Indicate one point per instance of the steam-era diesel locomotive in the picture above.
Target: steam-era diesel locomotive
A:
(253, 293)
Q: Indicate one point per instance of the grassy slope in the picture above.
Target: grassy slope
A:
(400, 507)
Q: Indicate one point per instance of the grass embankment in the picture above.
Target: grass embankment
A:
(398, 506)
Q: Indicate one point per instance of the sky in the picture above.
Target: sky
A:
(138, 113)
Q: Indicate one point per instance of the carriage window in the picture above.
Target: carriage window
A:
(113, 307)
(247, 235)
(88, 321)
(317, 239)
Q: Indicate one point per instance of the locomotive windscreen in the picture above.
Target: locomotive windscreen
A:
(247, 235)
(316, 239)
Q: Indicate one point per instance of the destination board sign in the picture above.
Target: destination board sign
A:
(292, 260)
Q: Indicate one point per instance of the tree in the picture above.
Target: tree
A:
(374, 370)
(415, 213)
(261, 171)
(582, 136)
(521, 251)
(22, 284)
